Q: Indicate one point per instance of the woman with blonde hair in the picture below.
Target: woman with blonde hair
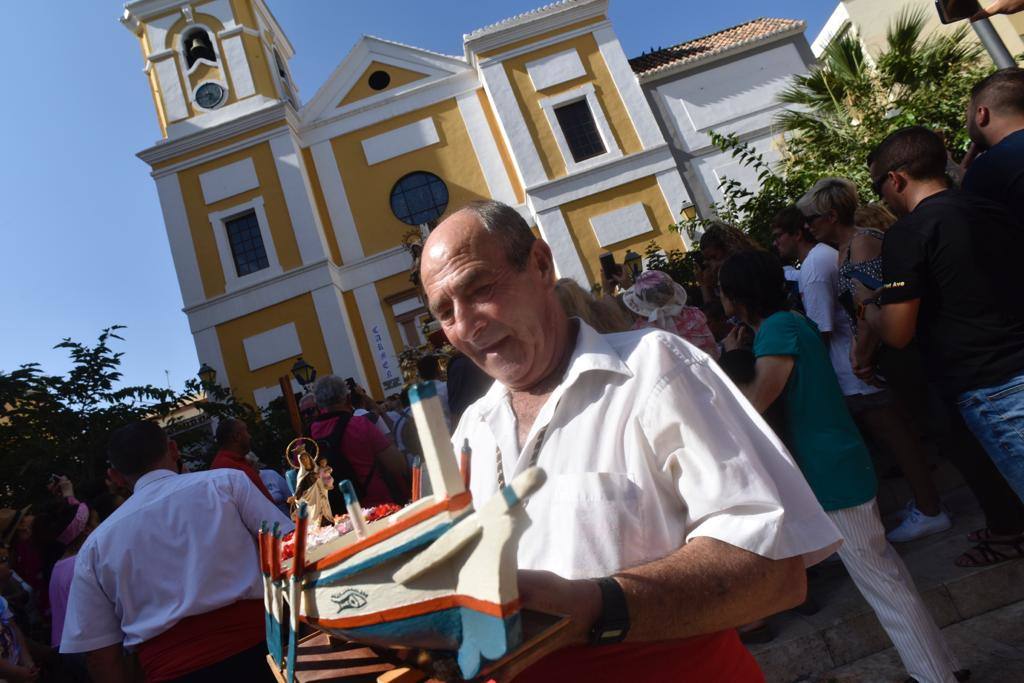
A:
(874, 215)
(829, 208)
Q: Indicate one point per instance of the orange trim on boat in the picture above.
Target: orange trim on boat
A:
(420, 608)
(456, 502)
(262, 544)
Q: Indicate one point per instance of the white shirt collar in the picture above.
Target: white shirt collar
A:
(592, 353)
(150, 477)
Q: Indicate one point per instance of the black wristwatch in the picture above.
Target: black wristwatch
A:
(613, 624)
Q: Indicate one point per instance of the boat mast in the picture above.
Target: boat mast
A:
(435, 440)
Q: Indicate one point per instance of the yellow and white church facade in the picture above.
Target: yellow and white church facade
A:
(286, 219)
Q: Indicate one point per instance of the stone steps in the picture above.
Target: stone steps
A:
(845, 630)
(990, 645)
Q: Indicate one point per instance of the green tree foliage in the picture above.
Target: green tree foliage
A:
(61, 423)
(844, 107)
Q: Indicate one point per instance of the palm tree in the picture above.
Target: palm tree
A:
(847, 104)
(844, 107)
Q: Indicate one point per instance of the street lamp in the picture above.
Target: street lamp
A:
(303, 372)
(634, 263)
(207, 375)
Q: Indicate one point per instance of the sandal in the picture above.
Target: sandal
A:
(985, 554)
(985, 535)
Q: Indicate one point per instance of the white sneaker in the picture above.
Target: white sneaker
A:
(918, 525)
(905, 511)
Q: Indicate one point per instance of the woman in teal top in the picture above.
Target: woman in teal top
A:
(792, 363)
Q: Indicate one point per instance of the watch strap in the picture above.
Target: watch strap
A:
(613, 624)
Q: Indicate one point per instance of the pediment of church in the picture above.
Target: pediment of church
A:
(376, 70)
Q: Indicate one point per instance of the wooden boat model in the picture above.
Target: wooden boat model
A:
(435, 575)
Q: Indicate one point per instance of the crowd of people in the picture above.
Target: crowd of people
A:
(699, 457)
(194, 584)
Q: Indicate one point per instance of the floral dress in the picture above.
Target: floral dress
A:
(871, 267)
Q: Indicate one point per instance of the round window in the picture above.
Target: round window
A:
(379, 80)
(418, 198)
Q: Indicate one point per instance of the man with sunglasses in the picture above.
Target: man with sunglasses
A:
(951, 267)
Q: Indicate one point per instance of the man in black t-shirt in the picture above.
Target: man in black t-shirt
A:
(951, 267)
(995, 122)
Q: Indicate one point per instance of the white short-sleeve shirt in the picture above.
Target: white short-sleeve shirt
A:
(648, 446)
(181, 545)
(818, 283)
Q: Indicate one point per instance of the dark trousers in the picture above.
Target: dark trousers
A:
(947, 432)
(249, 666)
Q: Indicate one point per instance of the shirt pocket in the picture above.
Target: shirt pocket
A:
(593, 523)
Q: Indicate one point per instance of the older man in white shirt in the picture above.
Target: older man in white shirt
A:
(173, 573)
(672, 513)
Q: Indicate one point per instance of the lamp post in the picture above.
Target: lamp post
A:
(634, 263)
(207, 375)
(303, 372)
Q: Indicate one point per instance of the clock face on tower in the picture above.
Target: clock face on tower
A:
(209, 95)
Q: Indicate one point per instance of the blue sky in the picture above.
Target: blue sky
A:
(82, 242)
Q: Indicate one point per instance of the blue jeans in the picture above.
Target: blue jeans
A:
(996, 417)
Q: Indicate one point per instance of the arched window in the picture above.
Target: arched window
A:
(419, 198)
(197, 45)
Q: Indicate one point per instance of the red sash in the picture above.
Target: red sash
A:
(715, 657)
(198, 641)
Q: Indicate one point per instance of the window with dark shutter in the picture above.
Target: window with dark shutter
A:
(579, 129)
(246, 243)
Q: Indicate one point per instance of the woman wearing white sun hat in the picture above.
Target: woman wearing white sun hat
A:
(659, 301)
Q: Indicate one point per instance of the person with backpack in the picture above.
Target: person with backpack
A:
(356, 449)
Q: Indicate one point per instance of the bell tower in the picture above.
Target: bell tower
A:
(210, 61)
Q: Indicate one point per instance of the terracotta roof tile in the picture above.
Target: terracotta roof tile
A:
(715, 43)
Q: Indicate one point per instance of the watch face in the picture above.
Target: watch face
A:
(209, 95)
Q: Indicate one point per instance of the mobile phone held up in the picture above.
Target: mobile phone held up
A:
(956, 10)
(865, 279)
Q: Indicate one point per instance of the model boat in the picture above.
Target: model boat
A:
(437, 574)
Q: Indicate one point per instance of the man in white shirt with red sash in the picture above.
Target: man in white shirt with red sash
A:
(671, 514)
(172, 574)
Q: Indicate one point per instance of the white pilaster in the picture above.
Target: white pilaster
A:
(512, 125)
(180, 238)
(238, 66)
(339, 337)
(377, 334)
(676, 196)
(556, 233)
(170, 87)
(629, 88)
(337, 202)
(498, 183)
(208, 350)
(298, 196)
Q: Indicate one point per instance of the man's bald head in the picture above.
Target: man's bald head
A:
(490, 283)
(501, 223)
